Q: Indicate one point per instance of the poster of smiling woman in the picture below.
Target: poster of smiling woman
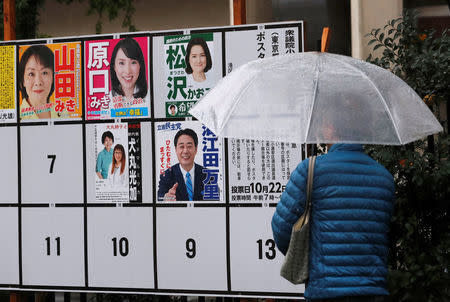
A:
(117, 164)
(116, 77)
(49, 81)
(185, 68)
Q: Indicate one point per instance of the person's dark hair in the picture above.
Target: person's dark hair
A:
(45, 57)
(172, 106)
(202, 43)
(120, 148)
(188, 132)
(107, 134)
(133, 51)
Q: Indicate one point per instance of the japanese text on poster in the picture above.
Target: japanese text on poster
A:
(7, 84)
(260, 44)
(188, 147)
(49, 81)
(118, 162)
(189, 60)
(117, 78)
(259, 170)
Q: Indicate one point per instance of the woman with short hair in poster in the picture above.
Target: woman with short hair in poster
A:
(127, 72)
(117, 174)
(36, 83)
(198, 61)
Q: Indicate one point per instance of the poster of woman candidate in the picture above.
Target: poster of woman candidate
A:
(261, 43)
(259, 170)
(116, 78)
(189, 162)
(192, 65)
(117, 151)
(49, 81)
(7, 84)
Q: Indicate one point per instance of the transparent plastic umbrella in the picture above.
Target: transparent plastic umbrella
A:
(316, 97)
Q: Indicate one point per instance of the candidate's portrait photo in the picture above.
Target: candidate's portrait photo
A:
(198, 60)
(36, 83)
(184, 181)
(172, 111)
(127, 70)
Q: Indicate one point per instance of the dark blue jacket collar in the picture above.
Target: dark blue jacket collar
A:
(346, 147)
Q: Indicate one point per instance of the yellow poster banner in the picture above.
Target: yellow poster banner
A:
(7, 84)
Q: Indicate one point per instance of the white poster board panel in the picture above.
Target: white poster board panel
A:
(9, 179)
(191, 248)
(247, 45)
(9, 253)
(255, 261)
(53, 246)
(177, 87)
(259, 170)
(52, 164)
(120, 247)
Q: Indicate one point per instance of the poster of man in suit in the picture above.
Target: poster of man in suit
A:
(190, 162)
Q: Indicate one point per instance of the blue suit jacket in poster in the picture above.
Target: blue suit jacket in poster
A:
(173, 175)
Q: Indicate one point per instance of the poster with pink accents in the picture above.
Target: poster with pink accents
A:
(117, 78)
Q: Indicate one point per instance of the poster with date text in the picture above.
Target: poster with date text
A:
(259, 170)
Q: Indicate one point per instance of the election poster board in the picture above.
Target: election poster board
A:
(260, 43)
(113, 187)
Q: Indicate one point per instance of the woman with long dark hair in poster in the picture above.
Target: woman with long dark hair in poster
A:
(117, 172)
(127, 72)
(36, 83)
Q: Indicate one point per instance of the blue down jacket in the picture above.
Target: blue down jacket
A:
(351, 209)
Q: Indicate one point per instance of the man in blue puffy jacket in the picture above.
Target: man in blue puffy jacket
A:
(352, 203)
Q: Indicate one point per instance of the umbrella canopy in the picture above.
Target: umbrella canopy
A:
(316, 97)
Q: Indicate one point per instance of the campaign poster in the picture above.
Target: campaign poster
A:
(49, 81)
(259, 44)
(188, 146)
(116, 78)
(7, 84)
(188, 66)
(117, 151)
(259, 170)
